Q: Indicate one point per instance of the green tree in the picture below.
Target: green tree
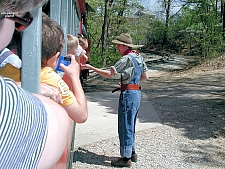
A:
(111, 19)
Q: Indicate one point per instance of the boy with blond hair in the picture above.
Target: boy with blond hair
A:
(74, 48)
(72, 44)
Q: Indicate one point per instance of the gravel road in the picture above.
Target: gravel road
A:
(191, 107)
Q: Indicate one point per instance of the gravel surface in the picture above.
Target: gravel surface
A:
(191, 107)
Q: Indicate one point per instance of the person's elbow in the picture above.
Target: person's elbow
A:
(78, 115)
(144, 77)
(108, 75)
(111, 73)
(82, 119)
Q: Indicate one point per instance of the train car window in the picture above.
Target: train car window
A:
(46, 8)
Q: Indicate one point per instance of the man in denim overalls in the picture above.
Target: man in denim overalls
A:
(132, 69)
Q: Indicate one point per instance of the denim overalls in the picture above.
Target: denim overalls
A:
(129, 104)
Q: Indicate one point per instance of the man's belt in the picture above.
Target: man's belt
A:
(127, 87)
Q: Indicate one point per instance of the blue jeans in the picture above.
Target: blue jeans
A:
(129, 104)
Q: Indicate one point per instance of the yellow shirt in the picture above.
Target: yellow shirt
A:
(11, 72)
(51, 78)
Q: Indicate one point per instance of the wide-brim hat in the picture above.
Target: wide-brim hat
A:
(125, 39)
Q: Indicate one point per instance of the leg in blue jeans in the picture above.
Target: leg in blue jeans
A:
(129, 104)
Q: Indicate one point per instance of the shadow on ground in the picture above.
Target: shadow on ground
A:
(194, 104)
(88, 157)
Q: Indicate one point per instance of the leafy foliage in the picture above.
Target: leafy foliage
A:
(122, 17)
(197, 28)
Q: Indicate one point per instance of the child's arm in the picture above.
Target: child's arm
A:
(78, 110)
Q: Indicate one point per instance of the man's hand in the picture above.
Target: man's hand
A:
(51, 92)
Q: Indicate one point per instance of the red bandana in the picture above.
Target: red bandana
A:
(130, 51)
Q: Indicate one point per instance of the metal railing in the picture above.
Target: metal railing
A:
(64, 12)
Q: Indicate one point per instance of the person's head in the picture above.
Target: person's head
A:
(72, 44)
(83, 42)
(52, 41)
(19, 6)
(123, 43)
(9, 11)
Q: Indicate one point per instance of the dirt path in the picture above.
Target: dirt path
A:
(192, 102)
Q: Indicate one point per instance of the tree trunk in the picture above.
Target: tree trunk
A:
(104, 36)
(223, 16)
(167, 5)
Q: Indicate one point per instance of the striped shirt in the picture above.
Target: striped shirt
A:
(23, 127)
(12, 59)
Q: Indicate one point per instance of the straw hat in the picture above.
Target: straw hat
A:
(125, 39)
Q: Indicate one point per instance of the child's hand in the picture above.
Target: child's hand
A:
(73, 70)
(85, 58)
